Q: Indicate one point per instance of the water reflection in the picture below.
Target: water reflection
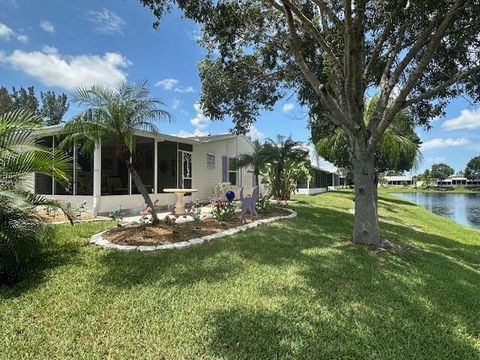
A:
(462, 208)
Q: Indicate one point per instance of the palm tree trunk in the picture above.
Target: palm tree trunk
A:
(143, 190)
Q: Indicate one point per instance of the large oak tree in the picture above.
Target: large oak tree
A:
(416, 54)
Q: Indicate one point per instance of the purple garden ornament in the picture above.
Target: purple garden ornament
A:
(230, 195)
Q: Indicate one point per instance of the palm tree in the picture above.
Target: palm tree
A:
(282, 154)
(257, 159)
(116, 114)
(20, 156)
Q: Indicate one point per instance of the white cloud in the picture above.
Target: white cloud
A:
(444, 142)
(5, 32)
(106, 21)
(167, 84)
(184, 89)
(176, 104)
(171, 84)
(438, 159)
(22, 38)
(254, 133)
(468, 119)
(47, 26)
(200, 123)
(287, 107)
(53, 69)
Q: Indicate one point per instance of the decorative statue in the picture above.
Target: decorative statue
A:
(248, 204)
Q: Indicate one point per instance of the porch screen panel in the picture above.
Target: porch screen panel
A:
(68, 188)
(115, 177)
(83, 173)
(167, 165)
(43, 183)
(143, 160)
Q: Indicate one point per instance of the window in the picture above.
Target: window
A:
(232, 172)
(210, 161)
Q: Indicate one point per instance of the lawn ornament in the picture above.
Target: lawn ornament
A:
(248, 204)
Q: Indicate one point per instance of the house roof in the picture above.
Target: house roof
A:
(399, 178)
(211, 138)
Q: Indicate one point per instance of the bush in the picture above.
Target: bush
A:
(264, 205)
(21, 233)
(223, 210)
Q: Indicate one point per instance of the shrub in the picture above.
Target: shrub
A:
(21, 234)
(219, 191)
(223, 210)
(194, 210)
(117, 215)
(263, 205)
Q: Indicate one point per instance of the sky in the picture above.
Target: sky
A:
(58, 45)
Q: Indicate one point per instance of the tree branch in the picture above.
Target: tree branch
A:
(308, 25)
(432, 92)
(342, 121)
(423, 62)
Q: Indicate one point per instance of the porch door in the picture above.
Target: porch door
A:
(185, 167)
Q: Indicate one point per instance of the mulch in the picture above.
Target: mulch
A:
(163, 234)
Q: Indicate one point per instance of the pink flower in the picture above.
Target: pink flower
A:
(148, 209)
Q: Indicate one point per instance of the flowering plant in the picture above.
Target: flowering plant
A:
(194, 210)
(145, 217)
(223, 210)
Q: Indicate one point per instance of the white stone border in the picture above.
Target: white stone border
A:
(98, 239)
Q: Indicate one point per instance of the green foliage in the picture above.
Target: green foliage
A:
(257, 160)
(21, 233)
(53, 107)
(472, 170)
(441, 171)
(218, 192)
(52, 110)
(117, 215)
(263, 206)
(287, 164)
(223, 210)
(398, 149)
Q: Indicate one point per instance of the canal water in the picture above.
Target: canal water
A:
(462, 208)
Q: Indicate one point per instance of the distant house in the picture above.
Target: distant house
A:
(399, 180)
(324, 176)
(163, 161)
(458, 181)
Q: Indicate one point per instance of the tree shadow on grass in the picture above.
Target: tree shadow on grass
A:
(51, 254)
(352, 304)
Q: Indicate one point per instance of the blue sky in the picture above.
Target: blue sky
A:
(57, 45)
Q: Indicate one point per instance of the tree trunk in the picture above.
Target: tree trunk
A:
(366, 230)
(139, 184)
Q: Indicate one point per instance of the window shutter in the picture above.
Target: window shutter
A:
(224, 169)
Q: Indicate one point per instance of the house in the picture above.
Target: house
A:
(458, 181)
(162, 161)
(399, 180)
(322, 179)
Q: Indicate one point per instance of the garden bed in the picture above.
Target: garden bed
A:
(164, 234)
(154, 237)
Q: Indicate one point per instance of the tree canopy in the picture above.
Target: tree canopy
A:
(418, 54)
(441, 171)
(472, 170)
(53, 107)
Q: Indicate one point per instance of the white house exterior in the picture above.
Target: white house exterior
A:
(399, 180)
(163, 161)
(323, 178)
(458, 181)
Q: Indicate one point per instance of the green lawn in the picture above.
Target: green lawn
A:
(294, 289)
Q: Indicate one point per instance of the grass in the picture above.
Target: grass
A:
(411, 189)
(293, 289)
